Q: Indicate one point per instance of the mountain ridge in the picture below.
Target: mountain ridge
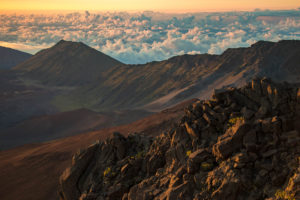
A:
(11, 57)
(65, 84)
(67, 63)
(128, 86)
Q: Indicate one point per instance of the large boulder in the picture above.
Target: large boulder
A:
(196, 158)
(232, 140)
(69, 179)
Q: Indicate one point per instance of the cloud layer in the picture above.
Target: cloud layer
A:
(143, 37)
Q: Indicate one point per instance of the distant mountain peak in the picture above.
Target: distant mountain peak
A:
(11, 57)
(67, 63)
(262, 43)
(61, 42)
(71, 44)
(156, 85)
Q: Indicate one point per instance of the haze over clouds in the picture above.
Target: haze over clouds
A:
(148, 36)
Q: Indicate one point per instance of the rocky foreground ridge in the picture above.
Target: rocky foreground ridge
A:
(242, 144)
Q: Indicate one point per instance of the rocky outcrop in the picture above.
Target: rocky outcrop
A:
(242, 144)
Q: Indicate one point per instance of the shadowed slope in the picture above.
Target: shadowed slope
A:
(161, 84)
(60, 125)
(51, 72)
(102, 83)
(11, 57)
(67, 63)
(32, 171)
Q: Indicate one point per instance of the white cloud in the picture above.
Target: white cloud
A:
(148, 36)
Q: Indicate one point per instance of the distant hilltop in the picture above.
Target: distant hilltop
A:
(11, 57)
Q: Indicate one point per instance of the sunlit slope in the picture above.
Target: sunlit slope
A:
(158, 84)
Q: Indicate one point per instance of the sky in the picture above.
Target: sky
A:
(140, 31)
(156, 5)
(142, 37)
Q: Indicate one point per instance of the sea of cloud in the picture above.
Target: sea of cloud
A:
(147, 36)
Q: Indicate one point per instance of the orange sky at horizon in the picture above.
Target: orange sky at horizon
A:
(141, 5)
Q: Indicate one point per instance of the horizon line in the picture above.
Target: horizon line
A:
(143, 11)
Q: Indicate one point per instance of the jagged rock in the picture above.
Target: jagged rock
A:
(291, 138)
(180, 135)
(264, 108)
(249, 140)
(181, 153)
(231, 140)
(177, 193)
(228, 190)
(195, 159)
(191, 130)
(247, 113)
(240, 160)
(269, 153)
(279, 178)
(118, 140)
(219, 94)
(293, 187)
(68, 180)
(137, 193)
(125, 196)
(256, 86)
(156, 161)
(90, 196)
(287, 123)
(242, 145)
(298, 95)
(116, 191)
(263, 172)
(209, 119)
(244, 100)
